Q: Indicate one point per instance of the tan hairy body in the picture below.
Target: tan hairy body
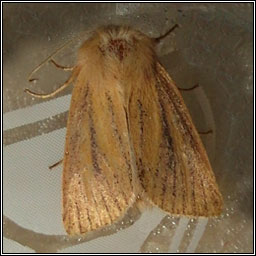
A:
(130, 134)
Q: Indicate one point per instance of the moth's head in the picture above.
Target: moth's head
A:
(126, 33)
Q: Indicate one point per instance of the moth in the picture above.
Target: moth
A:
(129, 135)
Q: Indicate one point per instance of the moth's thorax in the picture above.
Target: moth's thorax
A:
(118, 47)
(119, 44)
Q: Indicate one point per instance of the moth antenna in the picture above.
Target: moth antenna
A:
(158, 39)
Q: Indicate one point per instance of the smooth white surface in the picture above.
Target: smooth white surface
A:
(32, 192)
(198, 232)
(179, 233)
(36, 112)
(128, 240)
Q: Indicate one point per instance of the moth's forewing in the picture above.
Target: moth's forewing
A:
(173, 166)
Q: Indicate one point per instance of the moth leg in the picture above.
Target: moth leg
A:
(207, 132)
(61, 67)
(56, 164)
(47, 59)
(158, 39)
(188, 89)
(45, 96)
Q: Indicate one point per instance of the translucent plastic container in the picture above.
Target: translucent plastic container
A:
(213, 47)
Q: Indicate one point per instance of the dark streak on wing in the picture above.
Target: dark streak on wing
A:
(106, 206)
(117, 134)
(139, 161)
(124, 195)
(78, 217)
(84, 101)
(93, 140)
(184, 192)
(76, 134)
(115, 200)
(86, 200)
(141, 173)
(93, 151)
(88, 217)
(92, 137)
(69, 222)
(171, 96)
(156, 175)
(171, 160)
(81, 109)
(64, 215)
(155, 183)
(96, 209)
(127, 119)
(141, 122)
(128, 128)
(205, 203)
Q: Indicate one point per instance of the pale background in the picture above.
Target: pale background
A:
(212, 47)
